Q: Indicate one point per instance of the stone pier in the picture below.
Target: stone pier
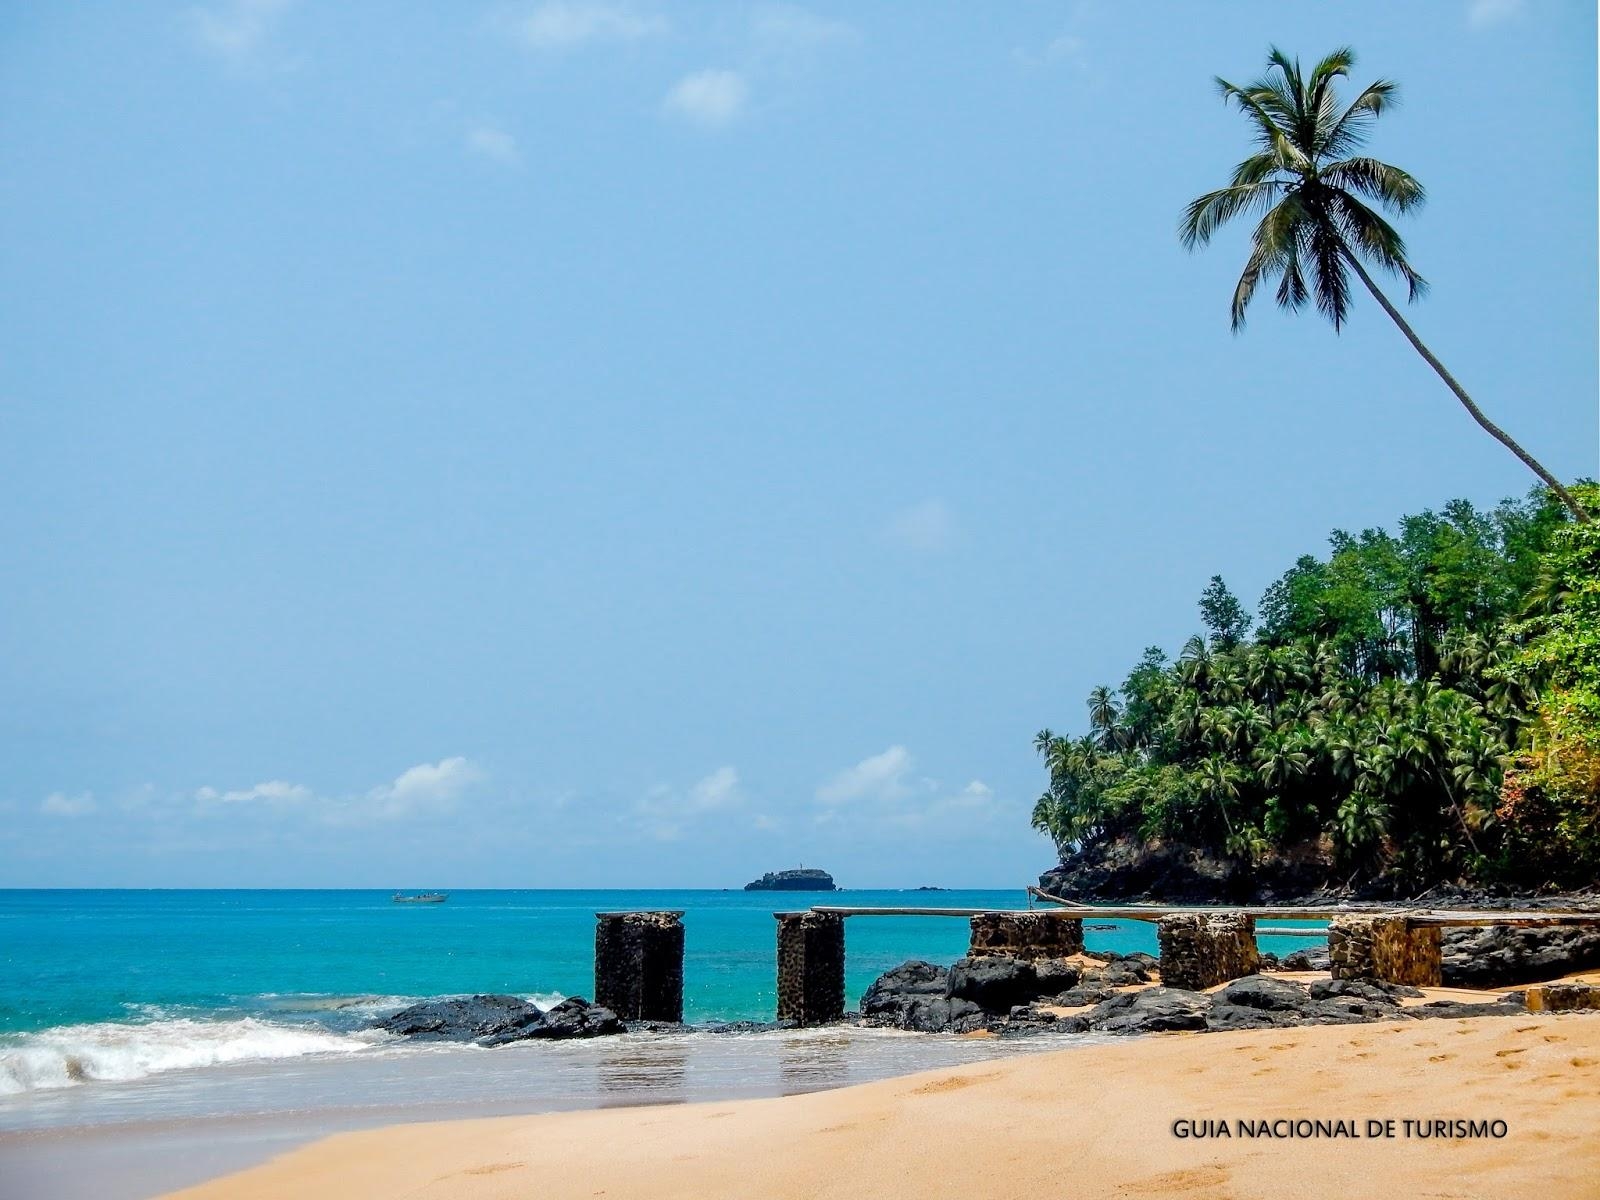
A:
(638, 965)
(810, 967)
(1389, 949)
(1029, 935)
(1201, 950)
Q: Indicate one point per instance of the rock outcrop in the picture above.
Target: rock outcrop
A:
(498, 1020)
(800, 879)
(1496, 956)
(1013, 997)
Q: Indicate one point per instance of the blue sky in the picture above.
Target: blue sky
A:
(565, 444)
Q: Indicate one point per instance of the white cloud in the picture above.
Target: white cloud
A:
(712, 97)
(275, 794)
(1481, 14)
(237, 29)
(928, 527)
(423, 790)
(496, 145)
(664, 811)
(880, 777)
(59, 804)
(427, 789)
(566, 26)
(720, 789)
(788, 28)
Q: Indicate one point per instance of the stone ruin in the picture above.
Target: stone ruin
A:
(1201, 950)
(638, 965)
(1031, 935)
(810, 967)
(1386, 948)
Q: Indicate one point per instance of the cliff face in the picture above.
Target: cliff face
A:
(803, 879)
(1126, 871)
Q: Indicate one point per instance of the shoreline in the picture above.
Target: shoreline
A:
(1093, 1120)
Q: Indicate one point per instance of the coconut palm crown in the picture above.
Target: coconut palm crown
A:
(1320, 203)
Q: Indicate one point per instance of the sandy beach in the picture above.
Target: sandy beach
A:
(1090, 1122)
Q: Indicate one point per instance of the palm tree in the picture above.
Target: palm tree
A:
(1316, 228)
(1104, 714)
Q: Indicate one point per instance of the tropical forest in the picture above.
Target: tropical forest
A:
(1414, 707)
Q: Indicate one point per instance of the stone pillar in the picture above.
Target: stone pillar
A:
(1030, 935)
(638, 965)
(1201, 950)
(810, 967)
(1350, 948)
(1388, 949)
(1563, 997)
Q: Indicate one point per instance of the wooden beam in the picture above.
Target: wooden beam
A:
(1271, 912)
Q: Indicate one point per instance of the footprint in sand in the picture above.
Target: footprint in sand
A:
(951, 1084)
(1440, 1057)
(1507, 1053)
(1513, 1065)
(1526, 1028)
(1170, 1182)
(493, 1168)
(1583, 1062)
(1554, 1037)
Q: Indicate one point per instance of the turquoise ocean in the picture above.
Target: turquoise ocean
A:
(138, 1005)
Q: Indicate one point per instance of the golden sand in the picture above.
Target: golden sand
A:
(1091, 1122)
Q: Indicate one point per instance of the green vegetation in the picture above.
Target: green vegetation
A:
(1423, 704)
(1312, 187)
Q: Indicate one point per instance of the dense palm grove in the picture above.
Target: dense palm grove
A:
(1423, 705)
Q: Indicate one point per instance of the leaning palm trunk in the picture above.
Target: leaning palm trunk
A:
(1314, 191)
(1477, 414)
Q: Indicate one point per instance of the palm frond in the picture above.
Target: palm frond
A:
(1349, 131)
(1370, 235)
(1334, 66)
(1292, 291)
(1271, 246)
(1203, 217)
(1273, 136)
(1330, 279)
(1256, 168)
(1389, 186)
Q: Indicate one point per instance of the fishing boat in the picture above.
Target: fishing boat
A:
(420, 898)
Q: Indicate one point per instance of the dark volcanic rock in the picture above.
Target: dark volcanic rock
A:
(995, 983)
(1266, 993)
(914, 978)
(574, 1017)
(913, 996)
(801, 879)
(1053, 976)
(1314, 958)
(1224, 1017)
(1503, 956)
(1327, 989)
(1452, 1008)
(1082, 995)
(1152, 1010)
(1123, 972)
(460, 1020)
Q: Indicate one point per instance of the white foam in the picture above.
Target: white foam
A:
(72, 1054)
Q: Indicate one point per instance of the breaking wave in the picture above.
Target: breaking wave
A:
(113, 1050)
(159, 1039)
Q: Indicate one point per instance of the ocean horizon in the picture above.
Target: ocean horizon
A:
(159, 989)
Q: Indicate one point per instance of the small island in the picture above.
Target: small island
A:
(799, 879)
